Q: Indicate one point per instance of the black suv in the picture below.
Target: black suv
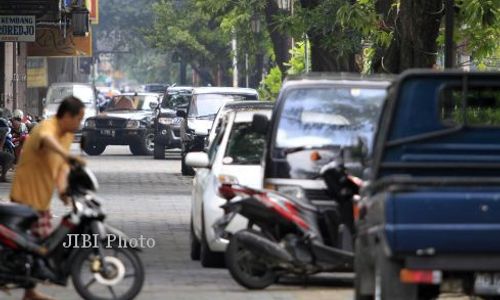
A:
(166, 123)
(126, 121)
(200, 114)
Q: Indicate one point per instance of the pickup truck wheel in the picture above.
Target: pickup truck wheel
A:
(159, 151)
(145, 146)
(185, 169)
(94, 148)
(387, 282)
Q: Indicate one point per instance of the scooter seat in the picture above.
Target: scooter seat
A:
(17, 216)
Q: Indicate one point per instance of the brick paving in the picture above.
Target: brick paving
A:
(150, 197)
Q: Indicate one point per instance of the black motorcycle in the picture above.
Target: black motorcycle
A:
(287, 235)
(100, 260)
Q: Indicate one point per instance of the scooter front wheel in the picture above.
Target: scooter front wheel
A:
(121, 278)
(246, 267)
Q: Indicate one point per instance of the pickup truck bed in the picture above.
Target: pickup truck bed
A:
(443, 220)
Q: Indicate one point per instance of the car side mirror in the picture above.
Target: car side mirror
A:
(181, 114)
(260, 123)
(197, 160)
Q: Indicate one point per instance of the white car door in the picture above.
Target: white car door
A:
(203, 178)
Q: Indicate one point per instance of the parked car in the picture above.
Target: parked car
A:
(166, 122)
(127, 120)
(235, 153)
(430, 219)
(234, 106)
(58, 91)
(313, 119)
(200, 114)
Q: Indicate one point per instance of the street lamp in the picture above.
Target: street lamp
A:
(255, 24)
(285, 4)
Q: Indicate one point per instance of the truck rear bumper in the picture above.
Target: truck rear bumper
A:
(459, 263)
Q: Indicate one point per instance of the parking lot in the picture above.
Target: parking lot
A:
(150, 198)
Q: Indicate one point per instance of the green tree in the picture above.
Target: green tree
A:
(121, 31)
(194, 35)
(409, 33)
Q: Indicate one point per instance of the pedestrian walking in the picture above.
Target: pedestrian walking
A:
(6, 158)
(43, 166)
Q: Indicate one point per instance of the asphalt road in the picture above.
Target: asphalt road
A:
(150, 198)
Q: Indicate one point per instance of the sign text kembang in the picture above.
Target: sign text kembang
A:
(17, 28)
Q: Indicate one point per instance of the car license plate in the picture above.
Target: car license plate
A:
(487, 284)
(108, 132)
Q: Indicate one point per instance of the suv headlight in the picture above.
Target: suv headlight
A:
(89, 124)
(133, 124)
(165, 121)
(292, 191)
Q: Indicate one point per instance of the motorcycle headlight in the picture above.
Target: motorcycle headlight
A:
(165, 121)
(292, 191)
(133, 124)
(89, 124)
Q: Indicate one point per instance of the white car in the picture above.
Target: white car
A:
(234, 154)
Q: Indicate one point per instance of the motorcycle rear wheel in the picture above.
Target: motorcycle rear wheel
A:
(124, 265)
(246, 268)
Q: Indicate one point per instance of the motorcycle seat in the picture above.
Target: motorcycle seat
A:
(17, 216)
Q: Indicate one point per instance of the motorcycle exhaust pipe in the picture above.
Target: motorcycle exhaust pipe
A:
(262, 246)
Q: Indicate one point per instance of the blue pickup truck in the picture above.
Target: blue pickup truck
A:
(429, 219)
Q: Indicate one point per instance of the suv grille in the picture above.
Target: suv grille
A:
(111, 123)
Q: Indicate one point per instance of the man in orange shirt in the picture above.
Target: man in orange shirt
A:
(43, 166)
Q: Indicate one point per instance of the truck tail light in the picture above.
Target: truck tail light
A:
(421, 276)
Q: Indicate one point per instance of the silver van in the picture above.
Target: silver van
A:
(58, 91)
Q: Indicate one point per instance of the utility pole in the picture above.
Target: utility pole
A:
(449, 53)
(235, 59)
(246, 69)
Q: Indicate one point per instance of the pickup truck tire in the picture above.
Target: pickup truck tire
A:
(94, 149)
(159, 151)
(387, 282)
(144, 146)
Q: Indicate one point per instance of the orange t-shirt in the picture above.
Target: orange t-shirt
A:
(38, 168)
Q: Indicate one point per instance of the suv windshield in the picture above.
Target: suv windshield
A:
(131, 102)
(207, 105)
(176, 99)
(245, 146)
(56, 94)
(329, 116)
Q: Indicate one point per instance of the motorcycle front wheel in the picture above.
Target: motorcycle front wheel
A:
(247, 268)
(122, 277)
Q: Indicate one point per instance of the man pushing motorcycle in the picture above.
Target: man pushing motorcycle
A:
(43, 166)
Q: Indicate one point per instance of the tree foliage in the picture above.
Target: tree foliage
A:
(121, 29)
(194, 34)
